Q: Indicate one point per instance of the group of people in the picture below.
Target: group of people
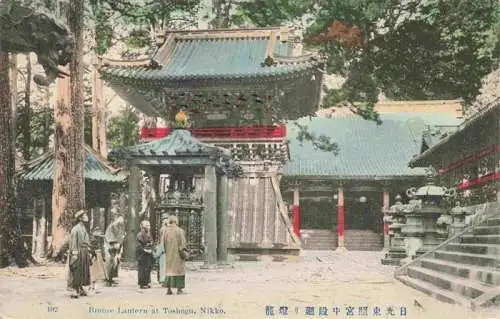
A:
(86, 265)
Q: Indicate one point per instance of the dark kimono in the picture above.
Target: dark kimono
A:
(144, 258)
(79, 257)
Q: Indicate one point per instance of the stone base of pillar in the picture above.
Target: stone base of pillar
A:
(340, 249)
(207, 266)
(394, 257)
(224, 264)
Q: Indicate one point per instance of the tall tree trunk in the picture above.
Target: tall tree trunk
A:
(10, 235)
(13, 90)
(68, 195)
(41, 236)
(26, 149)
(221, 10)
(99, 138)
(48, 123)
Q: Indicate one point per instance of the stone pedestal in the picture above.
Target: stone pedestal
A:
(432, 236)
(395, 218)
(458, 215)
(421, 230)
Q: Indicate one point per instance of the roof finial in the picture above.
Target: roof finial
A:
(181, 120)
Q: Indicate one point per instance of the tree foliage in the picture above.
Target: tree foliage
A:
(123, 129)
(407, 50)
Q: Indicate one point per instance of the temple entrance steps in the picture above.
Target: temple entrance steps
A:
(318, 239)
(464, 271)
(364, 240)
(355, 239)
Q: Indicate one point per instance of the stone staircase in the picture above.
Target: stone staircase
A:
(463, 270)
(318, 239)
(363, 240)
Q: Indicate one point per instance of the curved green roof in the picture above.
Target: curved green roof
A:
(366, 150)
(215, 55)
(96, 169)
(178, 143)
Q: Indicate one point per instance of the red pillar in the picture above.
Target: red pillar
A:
(340, 218)
(385, 208)
(296, 211)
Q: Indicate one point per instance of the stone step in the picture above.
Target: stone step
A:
(433, 291)
(484, 275)
(495, 221)
(467, 288)
(319, 248)
(470, 259)
(488, 249)
(484, 239)
(487, 230)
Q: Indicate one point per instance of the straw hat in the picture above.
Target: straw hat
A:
(80, 213)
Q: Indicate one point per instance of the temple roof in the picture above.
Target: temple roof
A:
(96, 168)
(214, 54)
(366, 151)
(178, 143)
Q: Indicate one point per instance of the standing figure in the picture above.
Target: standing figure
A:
(113, 244)
(174, 243)
(97, 265)
(79, 256)
(148, 197)
(144, 255)
(159, 253)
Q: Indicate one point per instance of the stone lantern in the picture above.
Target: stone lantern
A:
(458, 214)
(396, 219)
(421, 231)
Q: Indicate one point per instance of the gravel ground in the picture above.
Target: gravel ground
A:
(325, 281)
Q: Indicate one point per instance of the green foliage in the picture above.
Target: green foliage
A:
(264, 13)
(319, 142)
(101, 17)
(40, 130)
(437, 49)
(410, 51)
(138, 39)
(123, 130)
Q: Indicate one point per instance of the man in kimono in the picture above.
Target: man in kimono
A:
(79, 256)
(174, 243)
(113, 241)
(143, 253)
(159, 254)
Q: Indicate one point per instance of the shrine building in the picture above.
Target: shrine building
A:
(234, 85)
(467, 160)
(338, 200)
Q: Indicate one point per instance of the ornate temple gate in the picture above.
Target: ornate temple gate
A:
(233, 106)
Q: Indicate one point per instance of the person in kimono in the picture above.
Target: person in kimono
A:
(159, 254)
(113, 243)
(79, 256)
(174, 243)
(143, 253)
(97, 261)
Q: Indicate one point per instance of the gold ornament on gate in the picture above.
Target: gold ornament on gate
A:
(182, 119)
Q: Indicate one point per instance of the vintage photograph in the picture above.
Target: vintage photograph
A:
(249, 159)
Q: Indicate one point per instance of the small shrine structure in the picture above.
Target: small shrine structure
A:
(35, 180)
(191, 180)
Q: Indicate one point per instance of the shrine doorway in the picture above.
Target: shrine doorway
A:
(363, 222)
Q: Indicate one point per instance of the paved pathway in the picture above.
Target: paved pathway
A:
(325, 281)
